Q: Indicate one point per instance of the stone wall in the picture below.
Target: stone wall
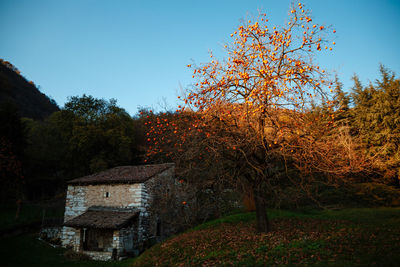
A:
(51, 233)
(160, 184)
(128, 239)
(75, 203)
(81, 197)
(70, 238)
(99, 255)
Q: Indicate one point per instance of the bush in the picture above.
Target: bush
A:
(378, 194)
(354, 195)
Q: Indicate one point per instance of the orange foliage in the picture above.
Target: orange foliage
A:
(248, 115)
(265, 86)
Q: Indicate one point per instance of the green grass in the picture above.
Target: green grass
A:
(29, 213)
(26, 250)
(348, 237)
(388, 216)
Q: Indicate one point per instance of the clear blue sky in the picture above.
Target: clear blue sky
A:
(137, 51)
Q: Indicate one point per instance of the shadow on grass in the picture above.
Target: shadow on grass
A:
(389, 216)
(26, 250)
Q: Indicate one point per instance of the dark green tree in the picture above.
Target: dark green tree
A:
(86, 136)
(377, 118)
(12, 144)
(342, 99)
(102, 135)
(342, 114)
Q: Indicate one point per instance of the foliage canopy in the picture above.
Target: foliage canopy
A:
(253, 111)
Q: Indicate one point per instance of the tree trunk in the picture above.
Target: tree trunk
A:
(261, 212)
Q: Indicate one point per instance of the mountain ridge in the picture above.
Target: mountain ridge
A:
(16, 89)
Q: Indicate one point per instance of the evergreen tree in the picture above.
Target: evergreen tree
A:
(377, 118)
(342, 100)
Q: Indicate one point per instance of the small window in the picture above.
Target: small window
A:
(107, 194)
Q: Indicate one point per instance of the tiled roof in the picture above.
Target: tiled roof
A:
(103, 218)
(123, 174)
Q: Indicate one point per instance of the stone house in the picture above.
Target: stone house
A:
(109, 215)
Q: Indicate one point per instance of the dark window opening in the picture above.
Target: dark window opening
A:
(158, 229)
(107, 194)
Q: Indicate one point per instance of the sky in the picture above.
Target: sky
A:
(137, 51)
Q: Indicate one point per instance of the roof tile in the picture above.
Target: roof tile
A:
(103, 218)
(123, 174)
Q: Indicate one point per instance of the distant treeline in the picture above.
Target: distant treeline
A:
(87, 135)
(39, 153)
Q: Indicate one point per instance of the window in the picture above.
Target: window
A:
(107, 194)
(158, 228)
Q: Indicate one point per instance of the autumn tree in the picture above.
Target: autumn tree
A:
(200, 195)
(251, 114)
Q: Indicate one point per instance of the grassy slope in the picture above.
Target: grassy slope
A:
(350, 237)
(26, 250)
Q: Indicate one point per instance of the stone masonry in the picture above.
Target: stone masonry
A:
(81, 195)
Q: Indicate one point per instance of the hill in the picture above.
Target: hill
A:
(25, 95)
(349, 237)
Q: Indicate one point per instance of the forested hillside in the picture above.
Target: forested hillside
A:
(24, 94)
(42, 146)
